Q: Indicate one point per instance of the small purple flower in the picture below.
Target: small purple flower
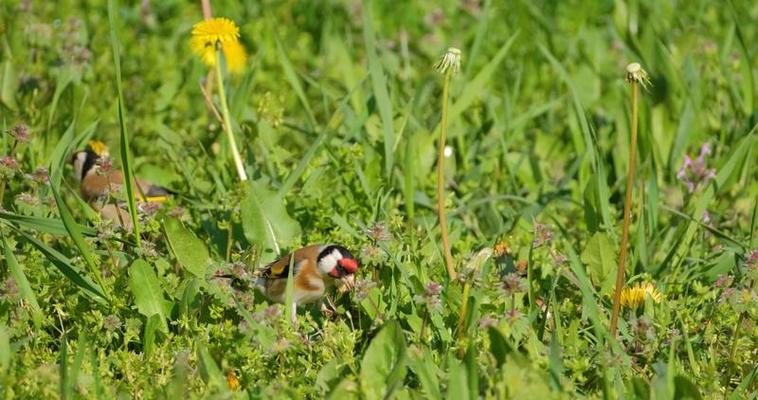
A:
(512, 284)
(272, 313)
(8, 162)
(695, 173)
(27, 198)
(430, 297)
(112, 323)
(513, 315)
(751, 260)
(20, 132)
(41, 176)
(487, 322)
(379, 232)
(723, 281)
(727, 294)
(542, 234)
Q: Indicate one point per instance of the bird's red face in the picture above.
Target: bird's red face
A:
(345, 266)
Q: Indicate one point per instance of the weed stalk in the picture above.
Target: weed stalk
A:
(448, 65)
(228, 120)
(636, 76)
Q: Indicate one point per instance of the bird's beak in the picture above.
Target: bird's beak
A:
(347, 283)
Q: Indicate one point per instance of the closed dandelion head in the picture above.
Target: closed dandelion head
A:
(635, 73)
(221, 32)
(635, 296)
(450, 61)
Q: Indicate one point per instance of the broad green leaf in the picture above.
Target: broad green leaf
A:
(148, 295)
(190, 251)
(24, 287)
(422, 364)
(685, 389)
(346, 389)
(600, 258)
(265, 220)
(499, 346)
(384, 364)
(457, 382)
(148, 338)
(209, 370)
(8, 85)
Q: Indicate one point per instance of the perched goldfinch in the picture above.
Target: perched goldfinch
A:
(96, 184)
(316, 267)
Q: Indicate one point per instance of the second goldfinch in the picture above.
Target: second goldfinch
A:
(96, 183)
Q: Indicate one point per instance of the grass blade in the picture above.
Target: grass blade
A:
(52, 226)
(126, 159)
(75, 233)
(379, 85)
(24, 287)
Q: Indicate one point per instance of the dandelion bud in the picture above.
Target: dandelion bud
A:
(450, 61)
(635, 73)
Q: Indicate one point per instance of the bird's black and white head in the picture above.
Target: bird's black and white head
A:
(83, 161)
(337, 262)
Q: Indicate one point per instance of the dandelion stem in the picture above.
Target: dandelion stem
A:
(627, 212)
(228, 120)
(441, 181)
(462, 317)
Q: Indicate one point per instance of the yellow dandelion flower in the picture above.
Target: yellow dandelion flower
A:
(235, 56)
(99, 148)
(222, 32)
(215, 30)
(635, 296)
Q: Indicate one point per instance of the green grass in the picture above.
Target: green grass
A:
(337, 117)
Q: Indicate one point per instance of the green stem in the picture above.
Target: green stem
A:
(441, 183)
(627, 213)
(228, 120)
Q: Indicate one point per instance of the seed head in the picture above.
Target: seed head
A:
(635, 73)
(450, 61)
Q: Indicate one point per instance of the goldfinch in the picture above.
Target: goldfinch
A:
(95, 182)
(316, 267)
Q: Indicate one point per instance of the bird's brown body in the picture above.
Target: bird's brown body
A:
(97, 185)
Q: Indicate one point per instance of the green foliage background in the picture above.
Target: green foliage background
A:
(337, 117)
